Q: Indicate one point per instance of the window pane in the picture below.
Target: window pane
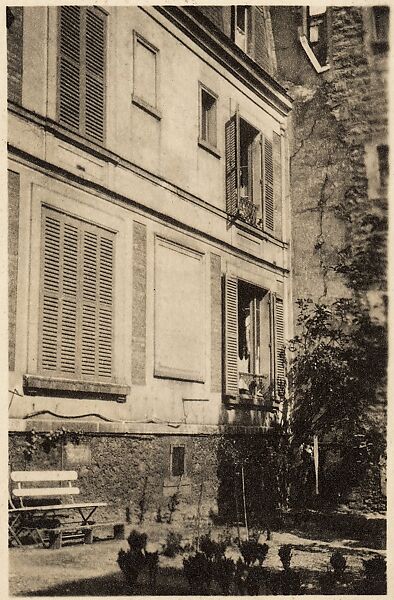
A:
(208, 117)
(145, 73)
(381, 17)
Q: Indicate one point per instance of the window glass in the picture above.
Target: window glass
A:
(381, 19)
(383, 159)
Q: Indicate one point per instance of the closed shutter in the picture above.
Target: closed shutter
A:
(277, 174)
(70, 66)
(77, 298)
(232, 164)
(95, 75)
(231, 335)
(268, 186)
(82, 70)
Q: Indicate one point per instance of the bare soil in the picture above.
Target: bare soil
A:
(92, 570)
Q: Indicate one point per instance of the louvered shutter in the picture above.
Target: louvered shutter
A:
(95, 74)
(232, 164)
(77, 298)
(279, 346)
(231, 335)
(268, 187)
(50, 303)
(277, 175)
(70, 66)
(82, 70)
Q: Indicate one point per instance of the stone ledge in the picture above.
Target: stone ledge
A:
(34, 384)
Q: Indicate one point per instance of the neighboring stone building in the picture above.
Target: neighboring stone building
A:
(334, 64)
(149, 288)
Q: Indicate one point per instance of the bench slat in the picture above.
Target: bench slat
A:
(21, 476)
(60, 507)
(52, 491)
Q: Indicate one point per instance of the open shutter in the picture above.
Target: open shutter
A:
(70, 66)
(277, 173)
(50, 312)
(231, 335)
(95, 74)
(232, 164)
(277, 346)
(268, 187)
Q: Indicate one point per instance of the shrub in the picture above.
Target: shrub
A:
(285, 555)
(198, 571)
(338, 563)
(173, 544)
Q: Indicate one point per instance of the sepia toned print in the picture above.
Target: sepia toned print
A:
(197, 217)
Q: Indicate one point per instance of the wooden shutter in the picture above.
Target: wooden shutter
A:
(95, 74)
(277, 175)
(50, 311)
(77, 298)
(268, 186)
(231, 335)
(82, 70)
(232, 164)
(277, 345)
(70, 66)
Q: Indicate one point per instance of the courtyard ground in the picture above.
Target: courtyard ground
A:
(91, 570)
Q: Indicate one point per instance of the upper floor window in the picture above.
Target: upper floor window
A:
(82, 65)
(145, 75)
(317, 32)
(208, 122)
(240, 26)
(252, 186)
(77, 277)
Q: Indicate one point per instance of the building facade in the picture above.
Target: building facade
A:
(149, 246)
(333, 61)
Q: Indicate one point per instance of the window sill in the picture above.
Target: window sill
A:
(236, 402)
(151, 110)
(209, 147)
(36, 384)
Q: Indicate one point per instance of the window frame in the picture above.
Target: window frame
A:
(81, 130)
(380, 44)
(207, 144)
(305, 42)
(153, 110)
(234, 26)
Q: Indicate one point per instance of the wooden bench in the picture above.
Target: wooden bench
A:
(42, 504)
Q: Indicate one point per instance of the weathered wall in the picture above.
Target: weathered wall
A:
(15, 53)
(338, 118)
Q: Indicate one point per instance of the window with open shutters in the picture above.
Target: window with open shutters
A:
(254, 342)
(253, 177)
(77, 272)
(81, 87)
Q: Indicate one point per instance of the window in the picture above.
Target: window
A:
(177, 461)
(240, 26)
(317, 32)
(383, 161)
(145, 75)
(81, 101)
(254, 341)
(381, 23)
(179, 294)
(250, 174)
(208, 104)
(77, 278)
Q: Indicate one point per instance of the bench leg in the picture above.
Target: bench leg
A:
(55, 540)
(88, 536)
(119, 533)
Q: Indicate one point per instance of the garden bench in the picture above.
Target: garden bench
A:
(42, 503)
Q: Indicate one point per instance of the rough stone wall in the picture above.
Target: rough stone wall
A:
(15, 53)
(337, 116)
(131, 473)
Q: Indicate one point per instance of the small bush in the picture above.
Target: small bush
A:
(285, 555)
(198, 571)
(338, 563)
(173, 544)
